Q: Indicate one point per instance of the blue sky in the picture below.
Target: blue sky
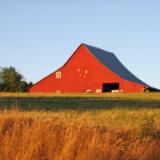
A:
(38, 36)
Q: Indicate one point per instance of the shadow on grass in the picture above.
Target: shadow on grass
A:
(77, 103)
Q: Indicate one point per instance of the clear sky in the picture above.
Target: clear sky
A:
(38, 36)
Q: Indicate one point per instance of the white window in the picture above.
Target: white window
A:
(58, 75)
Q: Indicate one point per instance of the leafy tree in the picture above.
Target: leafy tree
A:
(12, 81)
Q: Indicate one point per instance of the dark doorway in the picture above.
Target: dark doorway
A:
(108, 87)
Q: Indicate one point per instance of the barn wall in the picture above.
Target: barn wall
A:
(83, 72)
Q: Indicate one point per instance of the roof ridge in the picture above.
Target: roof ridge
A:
(87, 45)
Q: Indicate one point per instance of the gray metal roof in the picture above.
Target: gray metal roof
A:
(112, 62)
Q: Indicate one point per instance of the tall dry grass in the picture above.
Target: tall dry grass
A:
(41, 135)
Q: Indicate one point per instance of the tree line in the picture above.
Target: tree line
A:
(12, 81)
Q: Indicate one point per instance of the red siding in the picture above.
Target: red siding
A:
(81, 72)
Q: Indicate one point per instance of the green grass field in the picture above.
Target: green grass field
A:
(82, 102)
(124, 110)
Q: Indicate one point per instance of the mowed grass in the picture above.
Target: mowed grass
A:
(79, 126)
(82, 102)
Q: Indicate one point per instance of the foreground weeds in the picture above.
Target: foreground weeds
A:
(64, 135)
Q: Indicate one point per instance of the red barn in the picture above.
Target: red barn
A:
(91, 69)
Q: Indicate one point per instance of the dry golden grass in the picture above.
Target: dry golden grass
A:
(114, 134)
(80, 126)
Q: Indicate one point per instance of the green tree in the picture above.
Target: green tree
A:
(12, 81)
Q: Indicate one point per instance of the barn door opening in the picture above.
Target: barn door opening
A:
(108, 87)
